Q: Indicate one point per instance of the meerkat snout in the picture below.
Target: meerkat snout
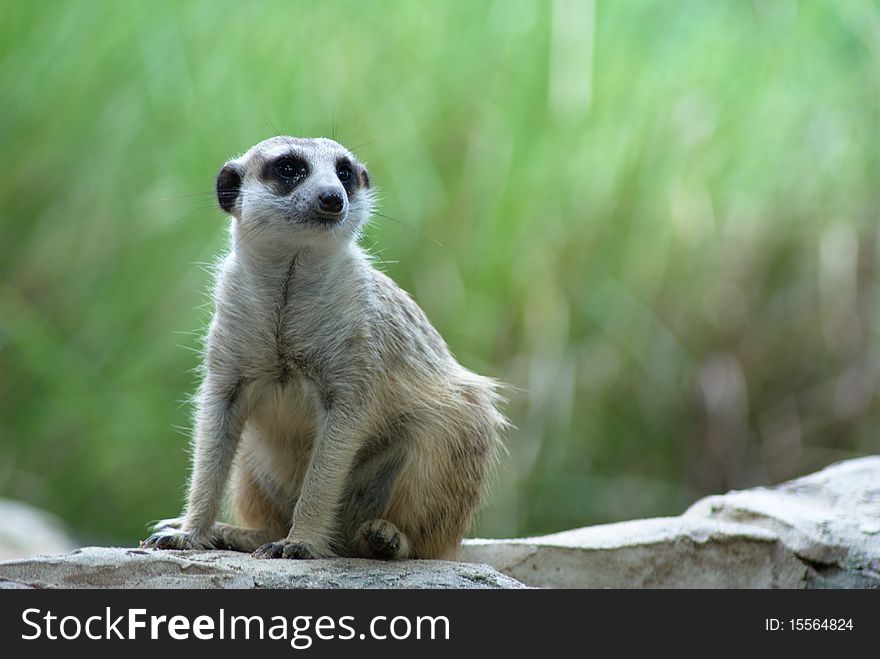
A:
(330, 202)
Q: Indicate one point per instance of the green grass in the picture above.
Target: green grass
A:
(658, 220)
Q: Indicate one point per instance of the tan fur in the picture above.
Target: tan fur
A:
(329, 400)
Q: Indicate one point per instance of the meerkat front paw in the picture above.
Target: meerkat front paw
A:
(379, 538)
(169, 538)
(287, 549)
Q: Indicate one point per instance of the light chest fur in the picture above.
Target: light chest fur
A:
(285, 323)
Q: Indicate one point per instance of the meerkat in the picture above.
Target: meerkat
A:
(336, 410)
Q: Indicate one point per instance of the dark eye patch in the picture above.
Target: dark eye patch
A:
(285, 173)
(345, 174)
(291, 168)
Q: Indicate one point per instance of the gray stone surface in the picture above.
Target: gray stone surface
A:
(819, 531)
(829, 520)
(110, 567)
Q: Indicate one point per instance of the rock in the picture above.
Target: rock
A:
(819, 531)
(829, 520)
(25, 530)
(667, 552)
(109, 567)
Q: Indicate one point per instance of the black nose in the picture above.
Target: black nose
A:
(330, 201)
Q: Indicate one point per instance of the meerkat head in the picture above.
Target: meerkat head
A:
(298, 189)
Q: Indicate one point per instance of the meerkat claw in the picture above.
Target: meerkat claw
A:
(297, 550)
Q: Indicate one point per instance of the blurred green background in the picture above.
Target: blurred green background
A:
(658, 220)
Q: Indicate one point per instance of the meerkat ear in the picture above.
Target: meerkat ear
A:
(228, 186)
(364, 177)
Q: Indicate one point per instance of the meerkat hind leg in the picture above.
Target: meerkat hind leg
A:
(379, 538)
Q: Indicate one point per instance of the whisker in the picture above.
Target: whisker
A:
(203, 193)
(362, 144)
(249, 235)
(271, 126)
(371, 248)
(404, 224)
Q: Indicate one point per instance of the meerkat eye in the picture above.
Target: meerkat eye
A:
(344, 173)
(290, 168)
